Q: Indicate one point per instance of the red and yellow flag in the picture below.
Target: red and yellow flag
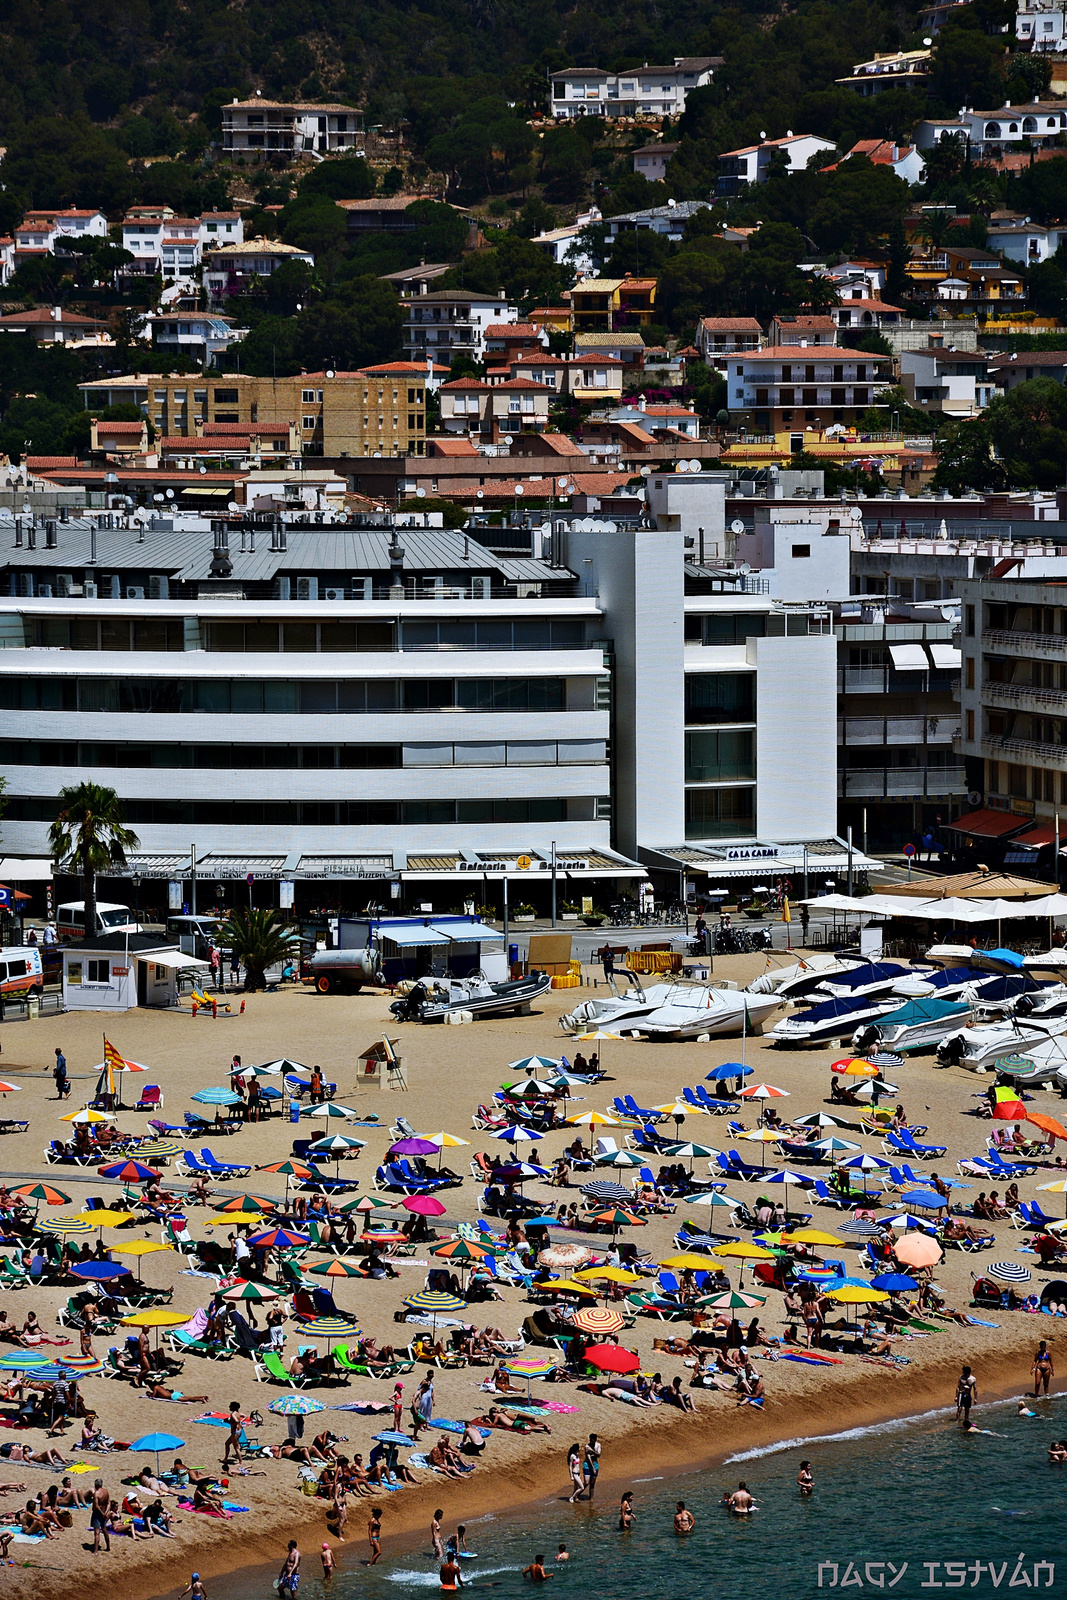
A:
(113, 1062)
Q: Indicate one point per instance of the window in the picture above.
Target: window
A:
(801, 551)
(719, 813)
(970, 726)
(728, 628)
(970, 672)
(98, 971)
(226, 397)
(713, 757)
(74, 972)
(716, 697)
(310, 423)
(308, 397)
(970, 621)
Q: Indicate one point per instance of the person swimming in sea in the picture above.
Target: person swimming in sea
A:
(741, 1502)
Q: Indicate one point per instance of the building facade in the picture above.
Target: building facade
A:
(446, 323)
(790, 386)
(256, 128)
(649, 91)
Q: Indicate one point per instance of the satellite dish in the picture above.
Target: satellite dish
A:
(170, 494)
(856, 514)
(420, 494)
(330, 373)
(203, 471)
(737, 526)
(481, 494)
(519, 489)
(646, 472)
(232, 506)
(694, 466)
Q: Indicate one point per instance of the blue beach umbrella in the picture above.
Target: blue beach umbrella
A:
(156, 1443)
(513, 1134)
(217, 1097)
(924, 1200)
(728, 1069)
(98, 1271)
(895, 1282)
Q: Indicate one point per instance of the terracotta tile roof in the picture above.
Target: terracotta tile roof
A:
(464, 383)
(731, 324)
(512, 330)
(43, 463)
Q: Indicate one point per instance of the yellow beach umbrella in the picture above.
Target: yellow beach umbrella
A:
(158, 1317)
(141, 1247)
(688, 1259)
(1059, 1187)
(567, 1286)
(851, 1295)
(740, 1251)
(234, 1219)
(811, 1236)
(607, 1275)
(87, 1114)
(447, 1141)
(595, 1119)
(106, 1218)
(763, 1136)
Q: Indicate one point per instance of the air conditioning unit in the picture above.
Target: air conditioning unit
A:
(307, 588)
(333, 594)
(135, 592)
(480, 588)
(362, 589)
(89, 591)
(45, 591)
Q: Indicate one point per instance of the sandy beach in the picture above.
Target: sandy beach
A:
(449, 1071)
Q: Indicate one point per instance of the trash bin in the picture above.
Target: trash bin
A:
(294, 1111)
(513, 954)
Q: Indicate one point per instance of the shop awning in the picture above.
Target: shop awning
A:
(471, 933)
(410, 938)
(1035, 838)
(909, 658)
(173, 959)
(33, 870)
(987, 824)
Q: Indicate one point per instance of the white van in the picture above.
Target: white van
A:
(110, 918)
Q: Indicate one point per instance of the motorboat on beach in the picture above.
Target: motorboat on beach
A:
(871, 978)
(673, 1011)
(433, 999)
(919, 1025)
(944, 983)
(801, 977)
(831, 1019)
(984, 1045)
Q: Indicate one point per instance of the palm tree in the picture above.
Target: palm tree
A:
(90, 831)
(259, 941)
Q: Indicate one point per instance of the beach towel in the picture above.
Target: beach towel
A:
(558, 1406)
(979, 1322)
(367, 1408)
(455, 1427)
(811, 1360)
(27, 1538)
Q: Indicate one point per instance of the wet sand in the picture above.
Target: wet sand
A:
(449, 1071)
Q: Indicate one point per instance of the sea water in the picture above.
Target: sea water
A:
(914, 1510)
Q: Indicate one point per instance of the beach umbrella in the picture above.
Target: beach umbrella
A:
(525, 1089)
(740, 1250)
(854, 1068)
(423, 1205)
(904, 1221)
(1058, 1186)
(894, 1282)
(541, 1222)
(156, 1444)
(615, 1218)
(336, 1267)
(763, 1091)
(105, 1217)
(412, 1147)
(23, 1360)
(924, 1200)
(446, 1141)
(594, 1119)
(1009, 1271)
(1011, 1110)
(336, 1327)
(245, 1219)
(530, 1367)
(607, 1275)
(129, 1172)
(437, 1302)
(369, 1202)
(515, 1133)
(787, 1176)
(283, 1064)
(605, 1189)
(868, 1090)
(598, 1320)
(859, 1229)
(253, 1292)
(87, 1114)
(612, 1358)
(917, 1250)
(139, 1248)
(217, 1096)
(156, 1317)
(731, 1301)
(1047, 1124)
(886, 1060)
(66, 1225)
(328, 1109)
(279, 1239)
(618, 1158)
(688, 1261)
(566, 1286)
(811, 1236)
(564, 1257)
(460, 1250)
(339, 1142)
(43, 1193)
(295, 1405)
(865, 1163)
(727, 1070)
(160, 1149)
(851, 1294)
(712, 1197)
(680, 1109)
(820, 1119)
(517, 1171)
(10, 1088)
(252, 1203)
(534, 1064)
(290, 1169)
(565, 1080)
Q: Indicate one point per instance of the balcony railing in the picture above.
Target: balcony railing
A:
(897, 730)
(901, 783)
(1024, 694)
(1033, 752)
(1030, 644)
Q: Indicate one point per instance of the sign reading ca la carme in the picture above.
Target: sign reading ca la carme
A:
(761, 852)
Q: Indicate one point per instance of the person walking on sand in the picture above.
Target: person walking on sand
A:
(59, 1073)
(591, 1464)
(233, 1440)
(684, 1520)
(422, 1405)
(805, 1481)
(574, 1467)
(374, 1534)
(966, 1395)
(398, 1407)
(99, 1518)
(289, 1577)
(1042, 1370)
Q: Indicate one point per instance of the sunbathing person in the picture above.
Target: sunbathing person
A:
(439, 1459)
(514, 1422)
(160, 1391)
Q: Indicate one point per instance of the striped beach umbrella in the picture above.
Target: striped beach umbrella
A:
(336, 1267)
(619, 1158)
(369, 1202)
(160, 1149)
(252, 1203)
(460, 1250)
(530, 1367)
(604, 1189)
(129, 1172)
(534, 1064)
(731, 1300)
(279, 1239)
(66, 1225)
(43, 1193)
(23, 1360)
(598, 1320)
(329, 1111)
(253, 1292)
(339, 1327)
(438, 1302)
(515, 1134)
(217, 1095)
(1009, 1271)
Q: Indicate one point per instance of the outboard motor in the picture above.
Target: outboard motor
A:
(409, 1006)
(951, 1050)
(865, 1038)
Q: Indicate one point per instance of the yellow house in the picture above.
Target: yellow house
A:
(600, 305)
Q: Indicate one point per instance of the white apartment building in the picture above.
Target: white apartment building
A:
(39, 230)
(1040, 24)
(449, 322)
(648, 90)
(956, 383)
(1026, 242)
(174, 246)
(201, 334)
(1040, 121)
(257, 127)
